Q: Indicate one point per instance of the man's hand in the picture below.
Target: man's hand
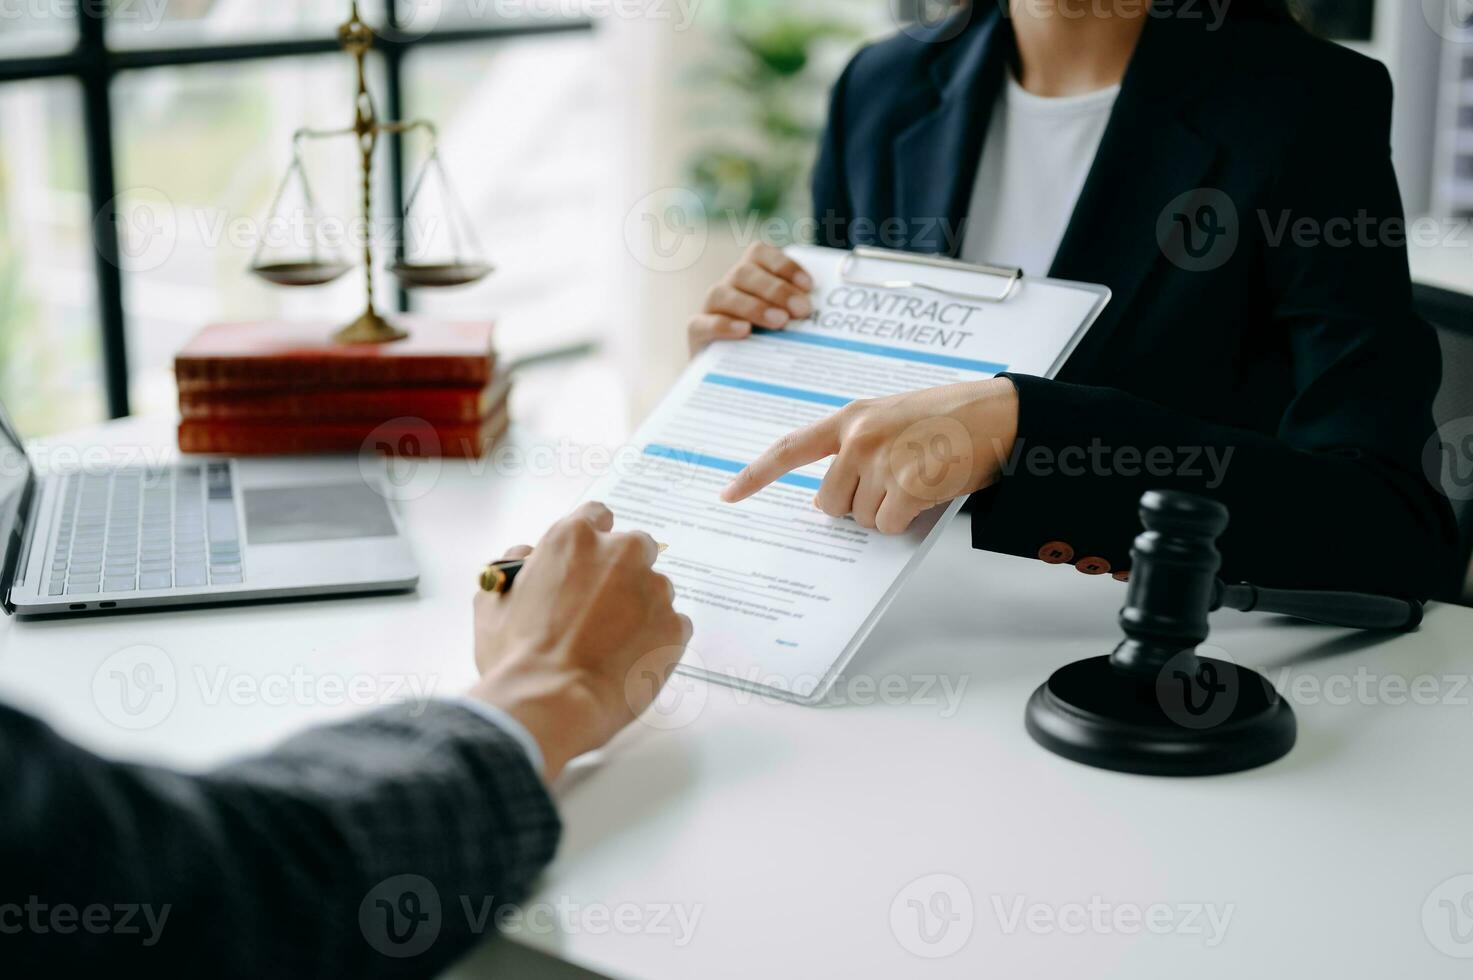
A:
(557, 651)
(898, 456)
(766, 288)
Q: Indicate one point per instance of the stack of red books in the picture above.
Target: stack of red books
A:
(285, 388)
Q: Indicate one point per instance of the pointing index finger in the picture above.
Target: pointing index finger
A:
(807, 445)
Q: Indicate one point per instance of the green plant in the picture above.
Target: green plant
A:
(767, 100)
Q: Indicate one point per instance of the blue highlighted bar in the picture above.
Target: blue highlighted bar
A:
(762, 387)
(900, 353)
(724, 465)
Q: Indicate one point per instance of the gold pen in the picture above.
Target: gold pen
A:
(499, 575)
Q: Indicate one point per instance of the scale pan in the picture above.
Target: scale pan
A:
(301, 273)
(436, 275)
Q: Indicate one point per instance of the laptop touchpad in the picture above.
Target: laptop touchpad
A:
(282, 515)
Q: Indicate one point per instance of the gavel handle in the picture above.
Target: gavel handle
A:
(1349, 609)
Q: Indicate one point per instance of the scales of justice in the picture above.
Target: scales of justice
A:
(465, 265)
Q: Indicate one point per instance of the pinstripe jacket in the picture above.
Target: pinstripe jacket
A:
(378, 848)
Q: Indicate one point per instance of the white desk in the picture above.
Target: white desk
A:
(792, 832)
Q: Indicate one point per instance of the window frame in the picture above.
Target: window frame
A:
(94, 65)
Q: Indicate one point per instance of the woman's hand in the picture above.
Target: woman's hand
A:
(899, 456)
(765, 288)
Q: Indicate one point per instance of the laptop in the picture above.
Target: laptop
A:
(206, 531)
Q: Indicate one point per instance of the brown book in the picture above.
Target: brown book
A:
(410, 438)
(344, 404)
(276, 355)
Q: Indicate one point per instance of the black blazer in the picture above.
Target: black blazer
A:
(382, 847)
(1305, 361)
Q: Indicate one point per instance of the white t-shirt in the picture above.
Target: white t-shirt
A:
(1037, 154)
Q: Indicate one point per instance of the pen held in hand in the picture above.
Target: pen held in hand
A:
(499, 575)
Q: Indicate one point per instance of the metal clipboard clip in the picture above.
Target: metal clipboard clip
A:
(1011, 274)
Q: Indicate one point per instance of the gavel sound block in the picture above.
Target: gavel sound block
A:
(1154, 706)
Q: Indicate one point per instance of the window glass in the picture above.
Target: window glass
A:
(418, 17)
(525, 138)
(186, 23)
(31, 27)
(51, 375)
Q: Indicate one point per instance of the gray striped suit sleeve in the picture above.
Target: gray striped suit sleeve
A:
(374, 848)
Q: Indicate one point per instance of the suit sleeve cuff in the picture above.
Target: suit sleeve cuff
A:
(511, 727)
(1055, 502)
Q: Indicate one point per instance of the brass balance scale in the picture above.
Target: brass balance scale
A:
(465, 265)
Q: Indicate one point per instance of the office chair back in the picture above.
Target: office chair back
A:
(1452, 314)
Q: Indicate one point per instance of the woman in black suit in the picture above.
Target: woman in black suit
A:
(1229, 179)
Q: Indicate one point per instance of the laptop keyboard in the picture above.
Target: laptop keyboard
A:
(146, 530)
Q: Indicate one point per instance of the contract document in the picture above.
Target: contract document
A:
(781, 595)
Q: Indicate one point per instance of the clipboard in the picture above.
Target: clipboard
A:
(866, 266)
(1011, 275)
(884, 322)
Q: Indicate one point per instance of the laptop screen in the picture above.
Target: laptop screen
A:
(15, 477)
